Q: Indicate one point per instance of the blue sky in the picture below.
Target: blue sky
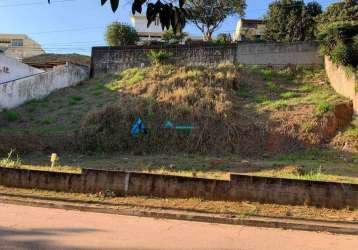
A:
(74, 26)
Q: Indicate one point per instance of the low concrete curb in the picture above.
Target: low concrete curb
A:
(337, 227)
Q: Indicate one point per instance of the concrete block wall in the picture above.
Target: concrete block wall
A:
(17, 92)
(238, 188)
(114, 59)
(341, 82)
(277, 54)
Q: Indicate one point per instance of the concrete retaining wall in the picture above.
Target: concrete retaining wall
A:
(343, 84)
(240, 187)
(112, 59)
(15, 93)
(279, 54)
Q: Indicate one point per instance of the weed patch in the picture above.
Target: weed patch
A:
(10, 161)
(323, 108)
(288, 95)
(11, 116)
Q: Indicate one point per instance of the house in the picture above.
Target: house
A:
(19, 46)
(249, 30)
(11, 69)
(152, 33)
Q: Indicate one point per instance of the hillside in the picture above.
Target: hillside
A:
(242, 110)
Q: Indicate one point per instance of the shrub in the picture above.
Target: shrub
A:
(223, 38)
(127, 77)
(272, 87)
(11, 116)
(118, 34)
(171, 37)
(323, 108)
(159, 57)
(46, 121)
(266, 74)
(337, 32)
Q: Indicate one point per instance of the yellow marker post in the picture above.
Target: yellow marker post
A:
(54, 159)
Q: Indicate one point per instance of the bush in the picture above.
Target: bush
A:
(171, 37)
(118, 34)
(11, 116)
(337, 32)
(339, 43)
(323, 108)
(159, 57)
(223, 38)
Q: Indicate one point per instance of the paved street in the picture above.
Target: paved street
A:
(23, 227)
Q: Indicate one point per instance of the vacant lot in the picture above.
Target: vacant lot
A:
(241, 119)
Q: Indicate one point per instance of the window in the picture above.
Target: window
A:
(17, 43)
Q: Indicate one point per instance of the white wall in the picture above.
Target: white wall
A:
(15, 93)
(140, 24)
(12, 69)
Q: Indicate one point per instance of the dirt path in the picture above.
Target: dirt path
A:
(42, 228)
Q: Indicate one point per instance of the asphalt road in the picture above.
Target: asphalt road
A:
(23, 227)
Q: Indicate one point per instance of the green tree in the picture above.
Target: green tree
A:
(338, 32)
(223, 38)
(291, 20)
(170, 36)
(118, 34)
(208, 15)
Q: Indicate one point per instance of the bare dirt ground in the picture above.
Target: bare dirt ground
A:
(42, 228)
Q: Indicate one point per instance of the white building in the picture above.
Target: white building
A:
(11, 69)
(152, 33)
(249, 30)
(19, 46)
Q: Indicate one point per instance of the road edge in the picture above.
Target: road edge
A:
(335, 227)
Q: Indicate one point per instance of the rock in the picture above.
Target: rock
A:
(245, 163)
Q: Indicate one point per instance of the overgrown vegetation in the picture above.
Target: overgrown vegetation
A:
(174, 37)
(159, 57)
(338, 33)
(225, 109)
(10, 161)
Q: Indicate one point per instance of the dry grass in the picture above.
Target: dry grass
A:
(322, 165)
(198, 97)
(246, 111)
(198, 205)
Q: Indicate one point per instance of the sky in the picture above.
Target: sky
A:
(74, 26)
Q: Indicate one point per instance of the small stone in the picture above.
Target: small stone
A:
(245, 163)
